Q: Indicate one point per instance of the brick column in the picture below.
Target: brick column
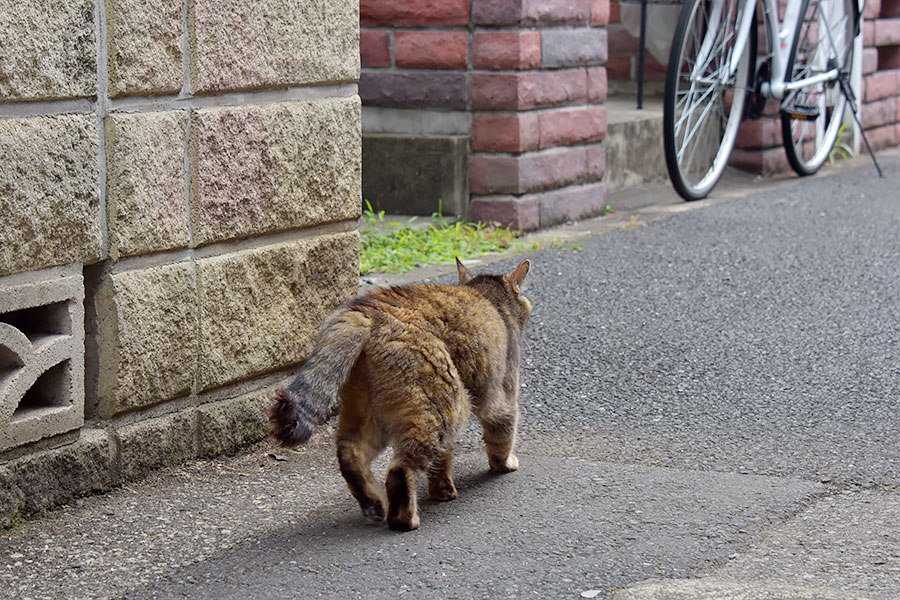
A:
(881, 73)
(414, 87)
(538, 86)
(523, 80)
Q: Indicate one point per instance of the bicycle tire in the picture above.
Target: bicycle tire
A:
(811, 117)
(713, 130)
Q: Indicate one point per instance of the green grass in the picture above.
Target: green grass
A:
(400, 247)
(842, 149)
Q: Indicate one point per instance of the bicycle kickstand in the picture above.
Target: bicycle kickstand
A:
(844, 80)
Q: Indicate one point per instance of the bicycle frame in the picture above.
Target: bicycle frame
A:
(780, 37)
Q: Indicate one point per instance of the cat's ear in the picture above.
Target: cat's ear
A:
(464, 276)
(517, 277)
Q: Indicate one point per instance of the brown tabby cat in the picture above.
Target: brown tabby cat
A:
(409, 363)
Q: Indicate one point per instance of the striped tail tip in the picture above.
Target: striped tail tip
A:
(290, 422)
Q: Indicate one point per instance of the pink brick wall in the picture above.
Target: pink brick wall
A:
(881, 73)
(531, 73)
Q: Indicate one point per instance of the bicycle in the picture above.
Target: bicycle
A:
(714, 80)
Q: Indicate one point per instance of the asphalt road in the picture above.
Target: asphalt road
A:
(711, 408)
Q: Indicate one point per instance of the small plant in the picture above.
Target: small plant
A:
(402, 248)
(842, 148)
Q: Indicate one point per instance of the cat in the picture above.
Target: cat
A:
(409, 364)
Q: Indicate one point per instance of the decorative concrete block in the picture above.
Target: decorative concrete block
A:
(878, 113)
(41, 357)
(144, 46)
(598, 86)
(887, 32)
(599, 12)
(239, 44)
(268, 168)
(49, 192)
(765, 162)
(416, 175)
(885, 136)
(764, 132)
(46, 51)
(871, 60)
(147, 337)
(146, 197)
(261, 309)
(884, 84)
(227, 425)
(162, 442)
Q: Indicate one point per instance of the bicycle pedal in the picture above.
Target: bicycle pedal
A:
(800, 112)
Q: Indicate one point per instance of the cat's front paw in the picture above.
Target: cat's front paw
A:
(504, 466)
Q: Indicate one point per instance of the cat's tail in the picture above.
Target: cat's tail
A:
(311, 398)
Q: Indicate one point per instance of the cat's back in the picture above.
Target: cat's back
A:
(424, 329)
(428, 309)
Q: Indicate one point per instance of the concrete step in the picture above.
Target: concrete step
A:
(634, 144)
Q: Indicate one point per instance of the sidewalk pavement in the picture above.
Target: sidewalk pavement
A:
(582, 518)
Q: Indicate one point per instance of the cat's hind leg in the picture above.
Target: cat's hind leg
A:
(359, 441)
(499, 439)
(440, 479)
(401, 483)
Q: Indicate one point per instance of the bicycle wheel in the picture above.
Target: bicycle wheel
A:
(704, 104)
(811, 116)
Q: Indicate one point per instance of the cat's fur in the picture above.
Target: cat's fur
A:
(409, 363)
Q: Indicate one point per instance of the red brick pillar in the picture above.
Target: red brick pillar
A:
(537, 89)
(522, 82)
(881, 73)
(416, 122)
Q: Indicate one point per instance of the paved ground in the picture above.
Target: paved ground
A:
(711, 401)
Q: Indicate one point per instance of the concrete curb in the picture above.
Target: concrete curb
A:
(719, 589)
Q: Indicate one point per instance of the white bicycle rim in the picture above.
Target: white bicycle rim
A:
(704, 105)
(808, 142)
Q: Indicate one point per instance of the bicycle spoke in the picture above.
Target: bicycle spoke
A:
(822, 43)
(704, 100)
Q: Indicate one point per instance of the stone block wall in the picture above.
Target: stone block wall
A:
(507, 95)
(178, 212)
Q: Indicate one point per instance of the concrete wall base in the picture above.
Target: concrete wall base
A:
(416, 175)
